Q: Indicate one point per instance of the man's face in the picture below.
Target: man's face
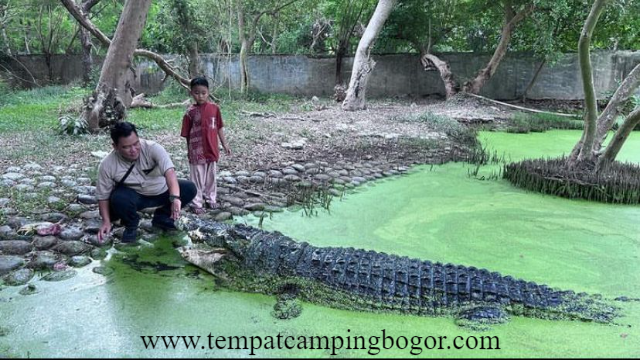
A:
(128, 147)
(200, 94)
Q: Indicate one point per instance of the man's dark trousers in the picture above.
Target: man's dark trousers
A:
(125, 203)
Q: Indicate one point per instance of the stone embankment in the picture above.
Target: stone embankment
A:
(50, 219)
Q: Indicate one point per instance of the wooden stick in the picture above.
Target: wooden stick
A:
(522, 108)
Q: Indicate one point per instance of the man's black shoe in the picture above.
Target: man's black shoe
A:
(129, 235)
(166, 224)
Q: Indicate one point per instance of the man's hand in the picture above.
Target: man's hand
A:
(105, 228)
(227, 151)
(175, 209)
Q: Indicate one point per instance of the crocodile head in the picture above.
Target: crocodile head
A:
(213, 246)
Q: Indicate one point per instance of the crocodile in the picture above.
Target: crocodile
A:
(246, 258)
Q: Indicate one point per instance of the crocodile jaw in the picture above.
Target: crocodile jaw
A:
(204, 259)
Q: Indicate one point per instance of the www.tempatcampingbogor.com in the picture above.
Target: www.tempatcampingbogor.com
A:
(372, 344)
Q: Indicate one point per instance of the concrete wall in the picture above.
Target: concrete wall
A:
(394, 75)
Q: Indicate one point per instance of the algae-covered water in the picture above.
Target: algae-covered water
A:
(436, 213)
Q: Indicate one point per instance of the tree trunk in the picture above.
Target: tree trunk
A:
(615, 105)
(159, 60)
(194, 61)
(619, 138)
(340, 54)
(511, 21)
(274, 34)
(430, 60)
(86, 44)
(244, 68)
(87, 58)
(591, 112)
(363, 64)
(113, 93)
(533, 80)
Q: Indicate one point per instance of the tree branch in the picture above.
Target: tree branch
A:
(87, 24)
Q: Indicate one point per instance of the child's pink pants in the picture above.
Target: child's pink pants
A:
(204, 176)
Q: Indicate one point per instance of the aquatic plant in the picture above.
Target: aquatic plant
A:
(613, 183)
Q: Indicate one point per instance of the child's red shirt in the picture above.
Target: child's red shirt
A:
(200, 126)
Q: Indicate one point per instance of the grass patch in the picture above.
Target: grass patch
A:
(523, 123)
(443, 124)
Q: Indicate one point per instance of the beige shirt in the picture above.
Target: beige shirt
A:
(153, 158)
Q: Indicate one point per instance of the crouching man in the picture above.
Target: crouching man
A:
(138, 174)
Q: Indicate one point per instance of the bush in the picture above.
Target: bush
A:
(523, 123)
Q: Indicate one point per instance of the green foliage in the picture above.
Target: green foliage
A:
(72, 125)
(539, 122)
(444, 124)
(616, 183)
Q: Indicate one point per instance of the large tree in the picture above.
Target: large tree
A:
(253, 11)
(362, 63)
(596, 127)
(113, 93)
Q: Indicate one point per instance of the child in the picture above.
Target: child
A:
(202, 126)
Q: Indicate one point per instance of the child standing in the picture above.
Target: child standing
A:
(202, 126)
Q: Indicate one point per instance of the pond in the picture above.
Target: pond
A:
(437, 213)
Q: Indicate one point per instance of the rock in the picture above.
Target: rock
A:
(32, 166)
(230, 180)
(9, 263)
(93, 240)
(275, 174)
(292, 178)
(272, 209)
(98, 254)
(290, 171)
(72, 247)
(44, 242)
(18, 277)
(261, 174)
(29, 290)
(322, 177)
(235, 201)
(92, 226)
(243, 173)
(4, 202)
(68, 183)
(254, 207)
(103, 270)
(256, 179)
(223, 216)
(60, 275)
(48, 178)
(75, 208)
(24, 187)
(92, 214)
(15, 247)
(43, 260)
(79, 261)
(53, 200)
(5, 230)
(243, 179)
(71, 233)
(14, 169)
(312, 171)
(84, 180)
(14, 176)
(358, 179)
(7, 183)
(87, 199)
(146, 225)
(335, 192)
(46, 185)
(99, 154)
(294, 145)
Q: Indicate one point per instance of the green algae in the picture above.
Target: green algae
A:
(435, 213)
